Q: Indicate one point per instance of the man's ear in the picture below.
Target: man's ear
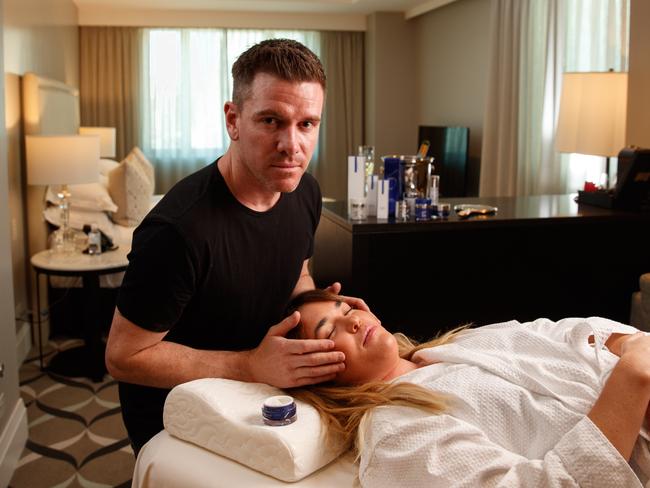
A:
(232, 120)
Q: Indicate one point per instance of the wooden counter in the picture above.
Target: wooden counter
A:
(539, 256)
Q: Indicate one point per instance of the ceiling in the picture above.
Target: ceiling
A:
(411, 8)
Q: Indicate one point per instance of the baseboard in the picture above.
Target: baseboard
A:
(23, 343)
(12, 442)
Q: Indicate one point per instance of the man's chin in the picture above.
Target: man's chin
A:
(286, 185)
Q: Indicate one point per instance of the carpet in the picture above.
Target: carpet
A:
(76, 435)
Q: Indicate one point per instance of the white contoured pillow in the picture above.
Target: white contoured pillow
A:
(225, 417)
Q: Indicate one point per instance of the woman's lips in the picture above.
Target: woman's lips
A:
(369, 332)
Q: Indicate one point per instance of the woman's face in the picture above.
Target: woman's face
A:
(370, 350)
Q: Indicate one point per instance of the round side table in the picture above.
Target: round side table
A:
(86, 360)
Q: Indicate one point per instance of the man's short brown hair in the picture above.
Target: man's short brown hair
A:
(284, 58)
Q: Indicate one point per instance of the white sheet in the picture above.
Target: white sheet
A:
(168, 462)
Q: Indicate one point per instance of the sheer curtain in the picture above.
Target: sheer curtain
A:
(109, 69)
(534, 41)
(185, 83)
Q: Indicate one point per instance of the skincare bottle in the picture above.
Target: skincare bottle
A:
(94, 240)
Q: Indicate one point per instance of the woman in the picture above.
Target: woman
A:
(537, 404)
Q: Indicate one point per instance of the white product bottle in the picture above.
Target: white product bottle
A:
(94, 240)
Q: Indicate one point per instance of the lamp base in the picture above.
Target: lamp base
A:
(598, 198)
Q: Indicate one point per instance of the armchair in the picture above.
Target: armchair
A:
(640, 309)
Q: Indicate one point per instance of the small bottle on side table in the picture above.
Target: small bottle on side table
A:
(94, 240)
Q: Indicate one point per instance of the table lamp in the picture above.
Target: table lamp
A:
(106, 139)
(593, 116)
(62, 160)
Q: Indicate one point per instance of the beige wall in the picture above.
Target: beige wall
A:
(452, 51)
(94, 14)
(10, 403)
(638, 104)
(430, 70)
(390, 97)
(38, 36)
(41, 37)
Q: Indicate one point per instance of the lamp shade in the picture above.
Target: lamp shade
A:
(62, 160)
(592, 113)
(106, 139)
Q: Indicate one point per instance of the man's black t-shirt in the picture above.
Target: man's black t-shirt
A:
(213, 273)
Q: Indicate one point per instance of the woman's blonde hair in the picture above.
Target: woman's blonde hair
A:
(344, 408)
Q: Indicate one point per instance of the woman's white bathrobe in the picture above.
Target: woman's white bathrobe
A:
(520, 395)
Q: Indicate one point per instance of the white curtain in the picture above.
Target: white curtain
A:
(534, 41)
(185, 82)
(500, 135)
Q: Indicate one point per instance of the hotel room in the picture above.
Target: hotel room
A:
(398, 71)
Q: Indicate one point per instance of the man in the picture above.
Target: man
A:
(218, 259)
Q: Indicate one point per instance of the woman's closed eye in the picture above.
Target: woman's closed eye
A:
(331, 330)
(326, 328)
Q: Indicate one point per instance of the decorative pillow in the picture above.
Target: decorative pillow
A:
(131, 186)
(86, 196)
(225, 417)
(137, 155)
(106, 165)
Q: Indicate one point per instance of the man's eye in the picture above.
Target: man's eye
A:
(330, 333)
(269, 120)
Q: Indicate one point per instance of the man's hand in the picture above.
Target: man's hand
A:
(354, 302)
(287, 363)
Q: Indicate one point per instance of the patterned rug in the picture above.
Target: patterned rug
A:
(76, 435)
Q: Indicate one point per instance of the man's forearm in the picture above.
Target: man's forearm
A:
(167, 364)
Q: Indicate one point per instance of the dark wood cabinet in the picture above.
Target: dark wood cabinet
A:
(540, 256)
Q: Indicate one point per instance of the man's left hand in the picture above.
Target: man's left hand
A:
(354, 302)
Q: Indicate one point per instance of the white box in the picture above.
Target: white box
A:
(356, 178)
(371, 196)
(382, 198)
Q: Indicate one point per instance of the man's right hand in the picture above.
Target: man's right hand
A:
(287, 363)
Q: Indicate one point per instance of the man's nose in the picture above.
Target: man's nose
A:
(288, 142)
